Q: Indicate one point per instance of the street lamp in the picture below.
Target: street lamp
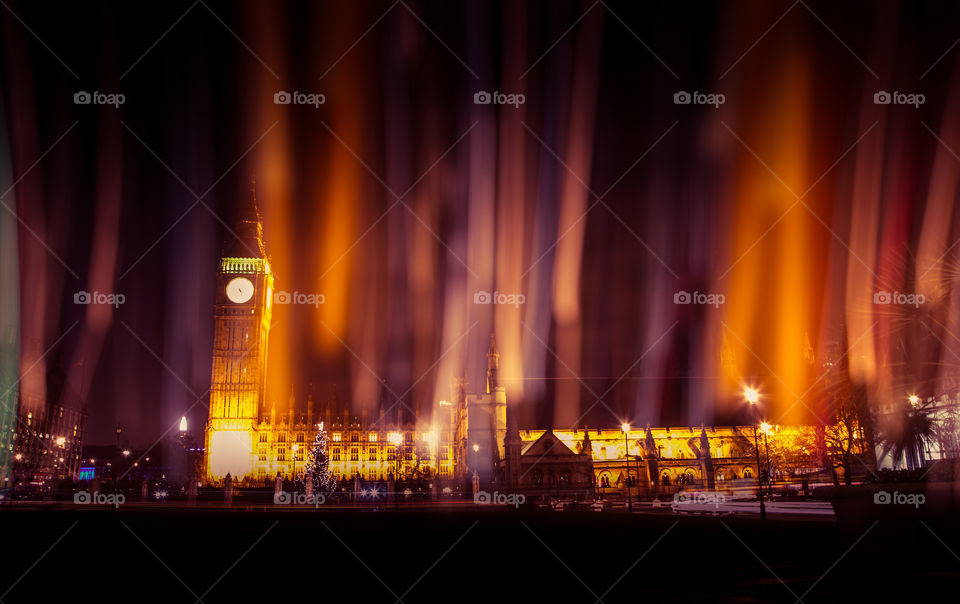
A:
(918, 447)
(752, 396)
(626, 453)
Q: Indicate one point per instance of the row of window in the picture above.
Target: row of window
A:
(281, 437)
(338, 437)
(335, 454)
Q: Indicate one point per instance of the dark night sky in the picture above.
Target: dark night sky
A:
(115, 198)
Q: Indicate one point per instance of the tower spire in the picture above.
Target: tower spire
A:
(493, 364)
(246, 240)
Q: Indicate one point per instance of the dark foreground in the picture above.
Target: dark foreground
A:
(169, 555)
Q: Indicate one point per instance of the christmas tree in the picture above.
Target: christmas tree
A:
(318, 466)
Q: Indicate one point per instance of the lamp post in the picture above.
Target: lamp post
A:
(626, 453)
(293, 461)
(753, 397)
(765, 428)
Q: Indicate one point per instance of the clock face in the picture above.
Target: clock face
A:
(240, 290)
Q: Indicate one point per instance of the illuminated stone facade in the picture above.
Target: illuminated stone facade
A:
(469, 435)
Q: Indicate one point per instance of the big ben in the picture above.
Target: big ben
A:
(242, 313)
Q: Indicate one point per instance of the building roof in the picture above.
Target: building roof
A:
(547, 445)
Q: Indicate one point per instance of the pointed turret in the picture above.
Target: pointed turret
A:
(586, 446)
(311, 421)
(493, 364)
(291, 406)
(706, 459)
(652, 458)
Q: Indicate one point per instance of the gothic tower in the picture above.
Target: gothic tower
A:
(493, 365)
(242, 312)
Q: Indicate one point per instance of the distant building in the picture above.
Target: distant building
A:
(48, 434)
(48, 441)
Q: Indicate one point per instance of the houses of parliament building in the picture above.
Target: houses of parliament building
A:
(473, 433)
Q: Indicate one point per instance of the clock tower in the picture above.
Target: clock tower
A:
(242, 312)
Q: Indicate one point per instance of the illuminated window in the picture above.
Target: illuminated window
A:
(336, 437)
(299, 455)
(373, 437)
